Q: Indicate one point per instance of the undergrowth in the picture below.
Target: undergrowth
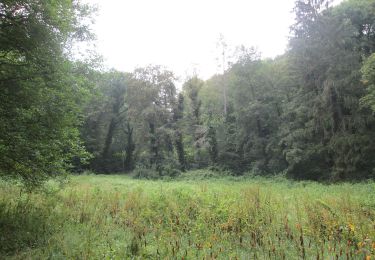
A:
(117, 217)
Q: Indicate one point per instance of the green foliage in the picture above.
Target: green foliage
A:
(368, 78)
(145, 173)
(299, 113)
(24, 225)
(325, 124)
(212, 173)
(212, 142)
(97, 217)
(108, 132)
(305, 113)
(42, 91)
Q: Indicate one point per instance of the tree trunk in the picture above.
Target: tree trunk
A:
(129, 149)
(108, 139)
(154, 151)
(180, 150)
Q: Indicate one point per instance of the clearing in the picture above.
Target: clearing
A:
(117, 217)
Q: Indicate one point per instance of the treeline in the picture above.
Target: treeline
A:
(305, 112)
(309, 112)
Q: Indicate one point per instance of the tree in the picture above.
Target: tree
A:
(178, 114)
(152, 101)
(41, 88)
(107, 132)
(191, 89)
(328, 124)
(368, 78)
(212, 145)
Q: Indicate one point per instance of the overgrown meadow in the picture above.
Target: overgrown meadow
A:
(117, 217)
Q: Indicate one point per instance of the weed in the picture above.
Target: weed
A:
(118, 217)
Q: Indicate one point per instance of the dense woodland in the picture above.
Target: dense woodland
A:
(308, 113)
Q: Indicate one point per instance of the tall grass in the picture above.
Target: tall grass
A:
(116, 217)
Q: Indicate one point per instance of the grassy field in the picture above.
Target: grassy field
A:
(116, 217)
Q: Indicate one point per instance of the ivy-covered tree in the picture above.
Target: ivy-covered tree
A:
(107, 131)
(152, 101)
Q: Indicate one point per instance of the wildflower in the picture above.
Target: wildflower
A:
(351, 227)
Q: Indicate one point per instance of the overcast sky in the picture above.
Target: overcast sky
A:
(182, 34)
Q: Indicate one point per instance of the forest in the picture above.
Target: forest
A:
(308, 113)
(304, 119)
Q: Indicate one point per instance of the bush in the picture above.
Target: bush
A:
(146, 173)
(202, 174)
(154, 174)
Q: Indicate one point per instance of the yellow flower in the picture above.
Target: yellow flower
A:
(207, 244)
(351, 227)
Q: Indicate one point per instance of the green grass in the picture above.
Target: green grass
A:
(116, 217)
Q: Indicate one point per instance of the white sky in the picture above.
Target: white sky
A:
(182, 34)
